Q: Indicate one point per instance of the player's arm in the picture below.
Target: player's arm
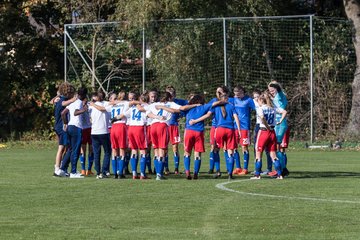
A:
(81, 111)
(171, 110)
(202, 118)
(283, 115)
(68, 102)
(151, 115)
(100, 108)
(64, 118)
(188, 107)
(237, 121)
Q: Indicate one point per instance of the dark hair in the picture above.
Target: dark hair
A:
(144, 97)
(239, 87)
(165, 97)
(82, 92)
(101, 95)
(170, 89)
(197, 99)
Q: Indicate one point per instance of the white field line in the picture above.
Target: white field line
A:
(222, 186)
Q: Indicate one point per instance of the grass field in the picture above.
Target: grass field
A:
(319, 200)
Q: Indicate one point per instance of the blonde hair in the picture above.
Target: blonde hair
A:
(277, 86)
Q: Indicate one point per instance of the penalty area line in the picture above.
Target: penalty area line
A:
(222, 186)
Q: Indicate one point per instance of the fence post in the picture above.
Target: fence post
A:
(225, 56)
(65, 54)
(311, 82)
(144, 59)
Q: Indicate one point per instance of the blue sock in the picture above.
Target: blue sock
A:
(120, 165)
(246, 160)
(277, 166)
(187, 163)
(230, 163)
(176, 160)
(127, 160)
(280, 156)
(217, 161)
(258, 166)
(90, 161)
(156, 165)
(237, 159)
(133, 164)
(161, 163)
(114, 165)
(197, 164)
(82, 161)
(148, 161)
(226, 156)
(285, 158)
(211, 162)
(269, 161)
(166, 163)
(142, 165)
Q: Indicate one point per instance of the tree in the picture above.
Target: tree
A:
(352, 9)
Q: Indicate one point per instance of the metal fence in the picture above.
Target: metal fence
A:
(312, 57)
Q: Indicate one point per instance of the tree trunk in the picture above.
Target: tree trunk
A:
(352, 9)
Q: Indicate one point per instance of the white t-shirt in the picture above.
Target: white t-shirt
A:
(135, 117)
(258, 120)
(99, 120)
(269, 114)
(75, 120)
(162, 112)
(118, 109)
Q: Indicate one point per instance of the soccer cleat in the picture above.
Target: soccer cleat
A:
(237, 171)
(196, 176)
(144, 177)
(99, 176)
(83, 172)
(121, 176)
(88, 173)
(217, 175)
(107, 174)
(265, 173)
(280, 177)
(188, 176)
(285, 172)
(230, 177)
(176, 172)
(135, 177)
(116, 176)
(211, 171)
(167, 171)
(158, 178)
(255, 178)
(272, 174)
(76, 175)
(127, 172)
(243, 172)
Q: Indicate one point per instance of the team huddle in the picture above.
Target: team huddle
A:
(128, 126)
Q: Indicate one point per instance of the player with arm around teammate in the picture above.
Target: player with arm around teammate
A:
(266, 138)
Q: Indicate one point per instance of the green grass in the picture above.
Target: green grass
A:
(35, 205)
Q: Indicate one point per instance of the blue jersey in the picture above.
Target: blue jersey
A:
(243, 107)
(57, 113)
(213, 121)
(195, 113)
(225, 122)
(175, 116)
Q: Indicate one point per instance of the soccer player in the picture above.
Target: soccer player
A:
(136, 118)
(266, 138)
(74, 128)
(159, 129)
(225, 138)
(153, 97)
(100, 135)
(66, 96)
(243, 106)
(280, 101)
(174, 132)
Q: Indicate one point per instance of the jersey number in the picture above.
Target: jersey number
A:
(117, 111)
(136, 115)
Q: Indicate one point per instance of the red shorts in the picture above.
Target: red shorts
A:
(148, 130)
(244, 140)
(266, 139)
(159, 135)
(174, 134)
(225, 138)
(194, 139)
(137, 137)
(86, 136)
(286, 138)
(118, 136)
(212, 135)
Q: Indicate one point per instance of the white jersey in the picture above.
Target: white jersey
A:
(75, 120)
(258, 120)
(162, 112)
(99, 120)
(149, 119)
(135, 117)
(269, 114)
(118, 109)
